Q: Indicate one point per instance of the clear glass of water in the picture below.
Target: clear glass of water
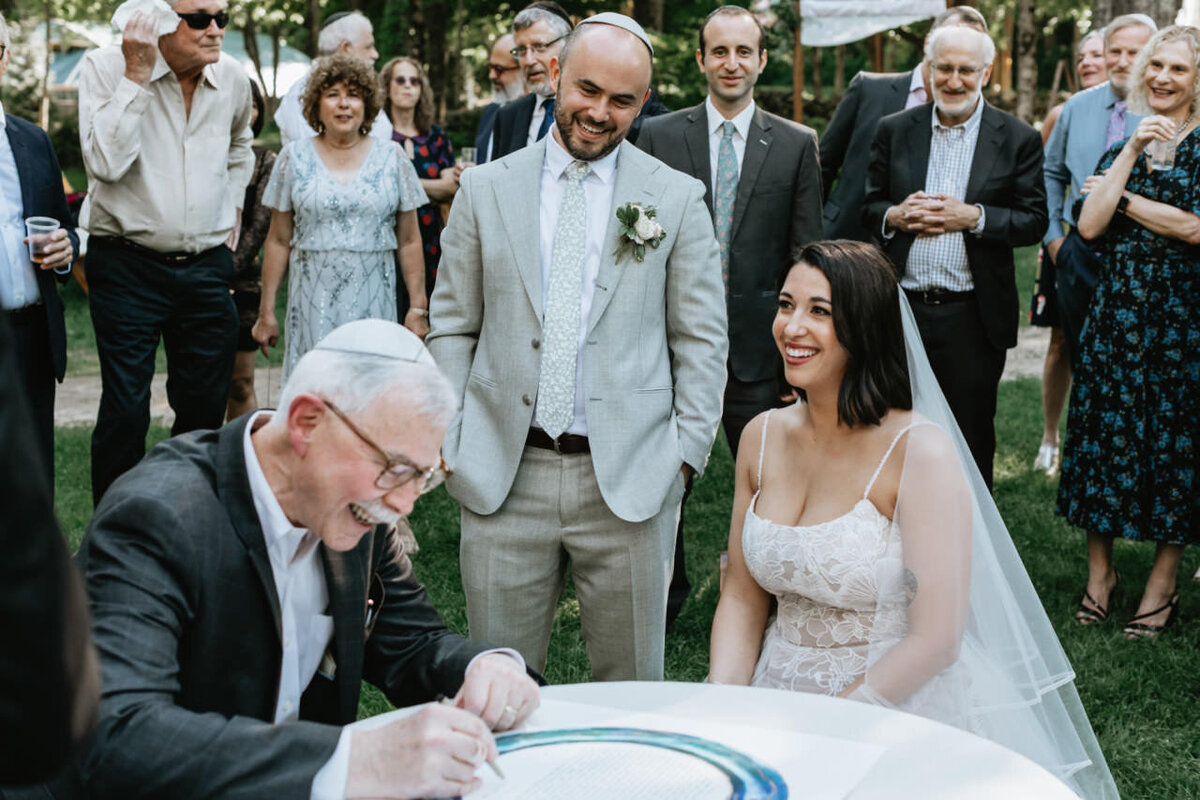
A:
(1162, 154)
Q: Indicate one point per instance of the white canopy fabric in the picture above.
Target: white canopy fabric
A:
(828, 23)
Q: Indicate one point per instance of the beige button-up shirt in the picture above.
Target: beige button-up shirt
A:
(164, 179)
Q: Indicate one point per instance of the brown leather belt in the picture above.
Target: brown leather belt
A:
(27, 315)
(177, 259)
(565, 445)
(936, 297)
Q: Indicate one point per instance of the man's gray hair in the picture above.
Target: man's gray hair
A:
(343, 29)
(1128, 21)
(529, 17)
(979, 42)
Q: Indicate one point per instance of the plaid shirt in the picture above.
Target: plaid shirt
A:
(940, 262)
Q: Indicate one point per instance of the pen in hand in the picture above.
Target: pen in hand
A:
(449, 701)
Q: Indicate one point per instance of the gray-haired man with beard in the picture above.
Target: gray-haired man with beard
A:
(590, 368)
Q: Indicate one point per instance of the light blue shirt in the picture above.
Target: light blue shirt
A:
(18, 281)
(1074, 149)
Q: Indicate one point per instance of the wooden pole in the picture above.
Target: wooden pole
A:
(798, 71)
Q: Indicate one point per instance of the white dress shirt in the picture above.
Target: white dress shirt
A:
(598, 190)
(741, 132)
(165, 178)
(289, 117)
(18, 281)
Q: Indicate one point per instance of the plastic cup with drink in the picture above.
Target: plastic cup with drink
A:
(39, 233)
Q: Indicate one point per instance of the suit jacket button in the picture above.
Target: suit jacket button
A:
(526, 399)
(535, 343)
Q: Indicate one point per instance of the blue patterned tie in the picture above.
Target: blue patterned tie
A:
(547, 118)
(724, 193)
(560, 326)
(1116, 124)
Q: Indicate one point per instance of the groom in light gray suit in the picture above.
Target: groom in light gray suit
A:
(591, 379)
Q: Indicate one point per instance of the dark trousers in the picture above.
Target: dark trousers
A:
(35, 366)
(1076, 271)
(744, 400)
(968, 368)
(136, 298)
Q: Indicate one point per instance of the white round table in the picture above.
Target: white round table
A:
(912, 758)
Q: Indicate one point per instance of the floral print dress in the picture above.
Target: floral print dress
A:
(1130, 459)
(432, 153)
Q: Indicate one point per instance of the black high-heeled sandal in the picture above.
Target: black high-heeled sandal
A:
(1096, 613)
(1146, 630)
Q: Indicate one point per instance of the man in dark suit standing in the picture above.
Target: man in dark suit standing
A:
(539, 30)
(244, 581)
(764, 191)
(508, 84)
(846, 143)
(31, 186)
(952, 188)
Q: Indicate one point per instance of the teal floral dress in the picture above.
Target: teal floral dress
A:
(1130, 458)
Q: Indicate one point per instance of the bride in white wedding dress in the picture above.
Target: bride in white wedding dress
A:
(866, 557)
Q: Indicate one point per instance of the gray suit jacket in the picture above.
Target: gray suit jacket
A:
(654, 364)
(777, 211)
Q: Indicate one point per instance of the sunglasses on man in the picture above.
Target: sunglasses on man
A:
(200, 20)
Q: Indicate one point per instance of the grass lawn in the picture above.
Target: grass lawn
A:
(1143, 698)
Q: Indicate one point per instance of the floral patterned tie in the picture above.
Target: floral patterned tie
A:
(724, 194)
(560, 326)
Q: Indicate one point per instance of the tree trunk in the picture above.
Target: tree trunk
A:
(44, 107)
(314, 26)
(250, 37)
(649, 13)
(817, 86)
(437, 54)
(1162, 11)
(1026, 60)
(797, 72)
(839, 70)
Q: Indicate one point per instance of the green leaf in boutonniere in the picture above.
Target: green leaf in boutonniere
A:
(638, 228)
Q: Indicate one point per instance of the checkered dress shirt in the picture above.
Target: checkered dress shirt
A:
(940, 262)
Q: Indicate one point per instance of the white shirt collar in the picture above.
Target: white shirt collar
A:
(558, 159)
(275, 524)
(208, 75)
(741, 120)
(3, 119)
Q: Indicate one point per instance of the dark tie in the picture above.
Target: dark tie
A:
(547, 104)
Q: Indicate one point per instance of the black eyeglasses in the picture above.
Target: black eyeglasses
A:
(397, 471)
(538, 47)
(3, 50)
(500, 69)
(200, 20)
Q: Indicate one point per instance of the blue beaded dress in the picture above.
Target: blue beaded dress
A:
(342, 265)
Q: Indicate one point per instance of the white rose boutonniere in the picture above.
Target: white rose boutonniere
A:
(638, 229)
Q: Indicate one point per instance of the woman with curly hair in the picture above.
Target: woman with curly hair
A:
(408, 103)
(345, 204)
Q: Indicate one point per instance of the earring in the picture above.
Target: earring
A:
(363, 130)
(320, 128)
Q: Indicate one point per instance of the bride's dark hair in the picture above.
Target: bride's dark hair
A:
(866, 318)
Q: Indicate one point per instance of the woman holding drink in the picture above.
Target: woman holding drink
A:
(1129, 466)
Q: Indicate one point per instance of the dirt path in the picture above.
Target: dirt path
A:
(79, 395)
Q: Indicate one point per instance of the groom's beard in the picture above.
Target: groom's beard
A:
(509, 93)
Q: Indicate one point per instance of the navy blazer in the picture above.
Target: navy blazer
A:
(42, 196)
(846, 148)
(484, 137)
(1006, 179)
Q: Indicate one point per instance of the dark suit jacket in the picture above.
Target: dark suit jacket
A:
(511, 128)
(42, 196)
(777, 210)
(484, 136)
(1006, 179)
(846, 146)
(48, 678)
(187, 624)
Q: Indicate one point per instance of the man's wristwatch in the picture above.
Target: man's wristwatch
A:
(1123, 204)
